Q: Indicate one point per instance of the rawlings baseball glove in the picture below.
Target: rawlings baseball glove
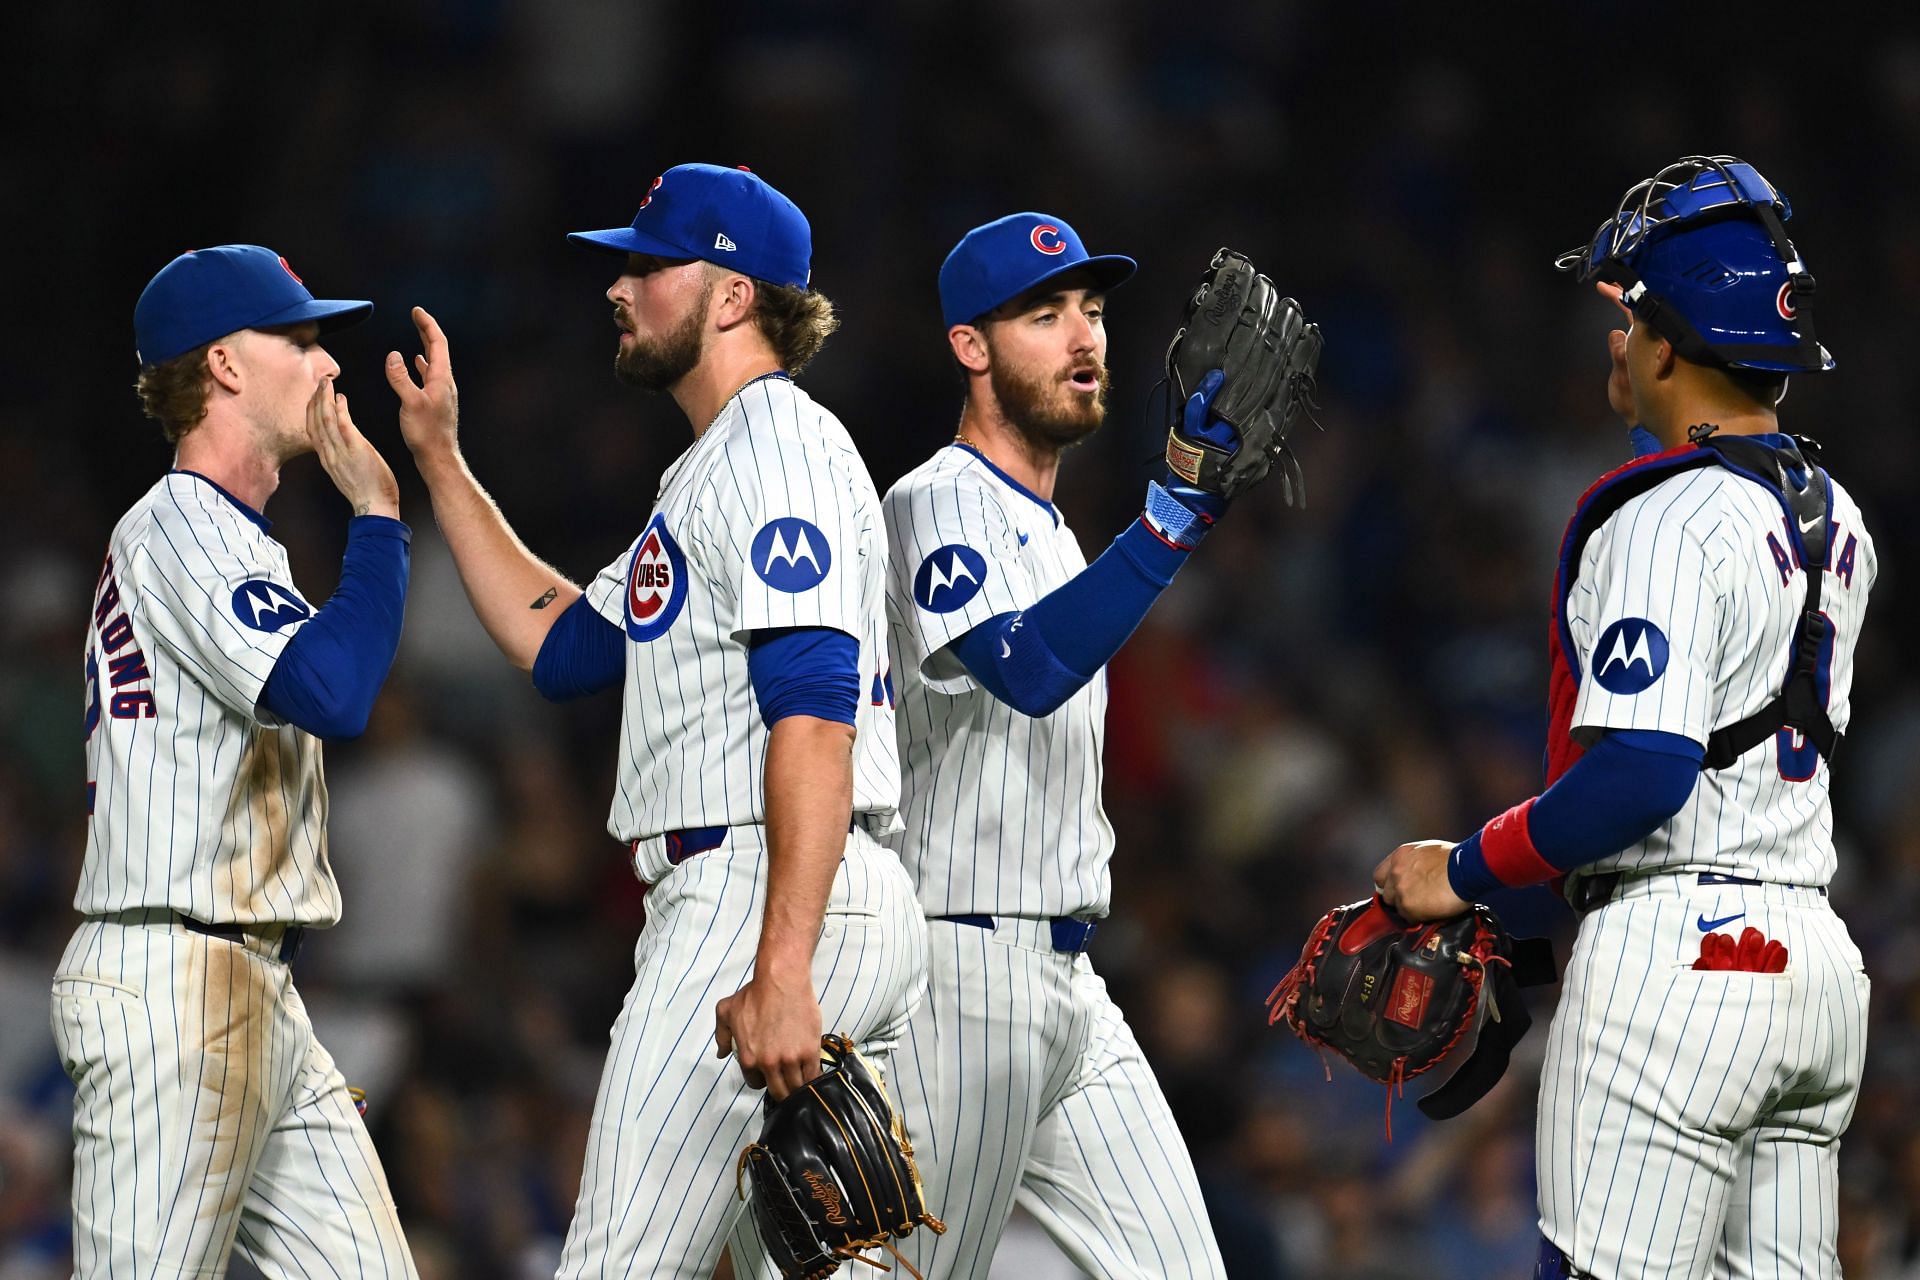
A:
(833, 1172)
(1395, 999)
(1238, 323)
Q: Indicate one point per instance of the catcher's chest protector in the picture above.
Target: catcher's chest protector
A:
(1806, 514)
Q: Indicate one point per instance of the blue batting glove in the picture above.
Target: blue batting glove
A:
(1201, 425)
(1177, 511)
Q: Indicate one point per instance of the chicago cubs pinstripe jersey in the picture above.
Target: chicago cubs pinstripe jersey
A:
(1003, 812)
(769, 520)
(1647, 614)
(199, 799)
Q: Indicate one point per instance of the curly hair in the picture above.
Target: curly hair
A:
(174, 392)
(796, 322)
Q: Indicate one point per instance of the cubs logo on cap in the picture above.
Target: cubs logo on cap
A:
(1003, 259)
(656, 582)
(210, 293)
(716, 214)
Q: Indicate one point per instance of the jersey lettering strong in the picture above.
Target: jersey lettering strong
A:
(199, 800)
(1682, 617)
(768, 521)
(1003, 812)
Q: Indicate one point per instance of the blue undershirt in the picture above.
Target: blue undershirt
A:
(582, 654)
(1616, 795)
(327, 677)
(795, 671)
(1036, 659)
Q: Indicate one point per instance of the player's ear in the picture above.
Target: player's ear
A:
(733, 296)
(223, 363)
(969, 348)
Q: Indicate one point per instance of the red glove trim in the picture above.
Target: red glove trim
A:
(1508, 849)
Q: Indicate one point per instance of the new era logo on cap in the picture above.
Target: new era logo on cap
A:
(1003, 259)
(716, 214)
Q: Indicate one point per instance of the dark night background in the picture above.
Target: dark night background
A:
(1317, 687)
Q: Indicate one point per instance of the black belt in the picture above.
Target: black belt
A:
(1590, 893)
(1070, 934)
(289, 941)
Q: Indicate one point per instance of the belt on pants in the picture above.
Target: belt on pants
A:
(1590, 893)
(291, 936)
(687, 841)
(1070, 934)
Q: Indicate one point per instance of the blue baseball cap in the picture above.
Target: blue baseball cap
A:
(209, 293)
(1008, 256)
(729, 217)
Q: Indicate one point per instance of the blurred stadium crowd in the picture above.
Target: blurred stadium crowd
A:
(1317, 687)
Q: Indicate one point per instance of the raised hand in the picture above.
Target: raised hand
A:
(1619, 386)
(429, 409)
(355, 466)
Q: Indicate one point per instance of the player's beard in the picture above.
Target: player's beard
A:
(1046, 409)
(656, 364)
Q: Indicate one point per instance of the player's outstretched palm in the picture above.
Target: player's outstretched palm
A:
(354, 465)
(429, 409)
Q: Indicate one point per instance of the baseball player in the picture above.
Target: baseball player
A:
(1707, 1051)
(207, 1118)
(745, 624)
(1031, 1084)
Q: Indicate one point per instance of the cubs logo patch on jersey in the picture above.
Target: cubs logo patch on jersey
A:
(1631, 655)
(656, 582)
(948, 578)
(791, 555)
(267, 606)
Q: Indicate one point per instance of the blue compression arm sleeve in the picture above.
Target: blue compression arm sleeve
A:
(583, 653)
(1036, 659)
(330, 672)
(1615, 796)
(805, 671)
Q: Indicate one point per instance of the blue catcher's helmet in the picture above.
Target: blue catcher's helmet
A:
(1701, 255)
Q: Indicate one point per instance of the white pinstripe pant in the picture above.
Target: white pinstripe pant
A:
(657, 1193)
(1690, 1121)
(207, 1118)
(1020, 1079)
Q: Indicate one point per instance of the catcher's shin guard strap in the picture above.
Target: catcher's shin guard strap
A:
(1507, 1022)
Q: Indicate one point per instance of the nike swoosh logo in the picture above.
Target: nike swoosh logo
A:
(1708, 926)
(1805, 525)
(1006, 650)
(1023, 539)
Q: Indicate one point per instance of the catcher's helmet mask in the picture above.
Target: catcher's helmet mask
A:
(1701, 254)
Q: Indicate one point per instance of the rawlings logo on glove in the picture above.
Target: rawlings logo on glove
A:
(833, 1172)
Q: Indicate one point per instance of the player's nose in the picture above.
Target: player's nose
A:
(329, 367)
(1080, 333)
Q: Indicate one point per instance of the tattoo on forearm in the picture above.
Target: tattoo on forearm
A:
(545, 599)
(361, 508)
